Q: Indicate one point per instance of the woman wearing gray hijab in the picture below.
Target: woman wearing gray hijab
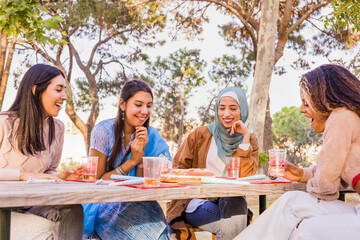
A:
(208, 147)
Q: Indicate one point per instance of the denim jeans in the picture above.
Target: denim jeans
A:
(226, 218)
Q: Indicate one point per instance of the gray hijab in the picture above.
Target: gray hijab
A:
(226, 144)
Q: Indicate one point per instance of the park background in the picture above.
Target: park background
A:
(187, 51)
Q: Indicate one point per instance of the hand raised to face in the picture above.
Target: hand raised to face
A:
(139, 143)
(239, 127)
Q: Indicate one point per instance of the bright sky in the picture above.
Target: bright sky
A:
(284, 90)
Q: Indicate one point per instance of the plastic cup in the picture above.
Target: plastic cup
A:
(165, 164)
(152, 169)
(277, 159)
(89, 167)
(233, 166)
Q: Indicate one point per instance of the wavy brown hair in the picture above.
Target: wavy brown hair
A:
(332, 86)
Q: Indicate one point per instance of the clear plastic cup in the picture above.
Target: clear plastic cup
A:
(277, 159)
(89, 167)
(152, 169)
(233, 166)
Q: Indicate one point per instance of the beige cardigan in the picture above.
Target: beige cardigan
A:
(338, 161)
(12, 160)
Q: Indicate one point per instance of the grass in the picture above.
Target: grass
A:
(253, 205)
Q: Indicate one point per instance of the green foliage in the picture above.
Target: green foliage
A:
(174, 79)
(227, 70)
(230, 69)
(292, 132)
(106, 87)
(68, 165)
(26, 18)
(263, 158)
(345, 15)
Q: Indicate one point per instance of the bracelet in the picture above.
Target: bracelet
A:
(120, 171)
(140, 166)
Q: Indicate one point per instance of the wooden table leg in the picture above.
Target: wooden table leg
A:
(262, 203)
(5, 217)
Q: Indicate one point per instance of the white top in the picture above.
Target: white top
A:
(214, 164)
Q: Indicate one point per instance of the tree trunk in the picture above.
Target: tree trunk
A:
(181, 127)
(265, 61)
(6, 71)
(3, 49)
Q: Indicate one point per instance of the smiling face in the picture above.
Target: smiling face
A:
(137, 109)
(317, 119)
(228, 111)
(54, 96)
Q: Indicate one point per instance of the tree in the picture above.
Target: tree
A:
(109, 26)
(345, 15)
(20, 19)
(225, 70)
(174, 77)
(265, 61)
(243, 33)
(292, 132)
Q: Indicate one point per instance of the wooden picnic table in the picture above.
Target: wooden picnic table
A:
(22, 194)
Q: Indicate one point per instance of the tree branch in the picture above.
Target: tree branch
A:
(307, 14)
(244, 17)
(282, 33)
(41, 52)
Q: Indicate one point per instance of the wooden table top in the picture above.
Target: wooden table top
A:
(22, 194)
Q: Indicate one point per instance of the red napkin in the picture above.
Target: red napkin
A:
(91, 181)
(142, 186)
(269, 181)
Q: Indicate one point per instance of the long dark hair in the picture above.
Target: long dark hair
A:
(28, 108)
(129, 89)
(332, 86)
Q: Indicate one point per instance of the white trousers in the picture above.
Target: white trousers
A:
(299, 215)
(64, 222)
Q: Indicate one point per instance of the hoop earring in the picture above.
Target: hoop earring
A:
(122, 115)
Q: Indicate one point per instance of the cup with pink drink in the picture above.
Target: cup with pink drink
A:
(277, 160)
(233, 166)
(89, 167)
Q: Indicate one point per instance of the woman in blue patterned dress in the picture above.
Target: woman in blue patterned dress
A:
(120, 143)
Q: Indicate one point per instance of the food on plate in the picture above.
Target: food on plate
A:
(185, 175)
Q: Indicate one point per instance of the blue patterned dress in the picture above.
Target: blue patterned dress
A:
(125, 220)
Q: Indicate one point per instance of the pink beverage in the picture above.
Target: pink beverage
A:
(89, 167)
(232, 172)
(233, 167)
(277, 159)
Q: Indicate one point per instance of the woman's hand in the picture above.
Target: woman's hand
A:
(71, 174)
(238, 127)
(292, 172)
(141, 134)
(24, 176)
(139, 144)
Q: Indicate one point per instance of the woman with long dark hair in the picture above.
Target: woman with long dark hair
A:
(31, 142)
(120, 143)
(330, 97)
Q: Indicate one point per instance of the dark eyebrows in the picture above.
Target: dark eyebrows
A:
(138, 101)
(233, 105)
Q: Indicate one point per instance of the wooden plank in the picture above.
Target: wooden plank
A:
(20, 194)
